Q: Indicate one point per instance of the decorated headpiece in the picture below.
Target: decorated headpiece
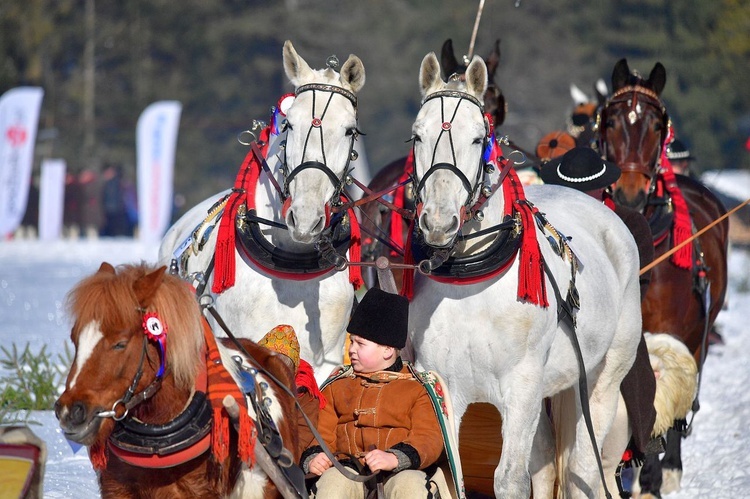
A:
(283, 339)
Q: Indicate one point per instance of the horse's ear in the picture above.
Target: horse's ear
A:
(353, 73)
(601, 90)
(476, 78)
(295, 67)
(620, 75)
(493, 60)
(145, 287)
(107, 268)
(448, 58)
(429, 73)
(658, 78)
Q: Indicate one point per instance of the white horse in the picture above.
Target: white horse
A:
(488, 344)
(310, 160)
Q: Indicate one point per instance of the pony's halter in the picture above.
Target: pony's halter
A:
(634, 96)
(446, 129)
(317, 124)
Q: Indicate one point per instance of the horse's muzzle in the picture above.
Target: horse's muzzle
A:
(78, 423)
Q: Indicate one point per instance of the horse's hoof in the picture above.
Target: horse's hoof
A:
(671, 481)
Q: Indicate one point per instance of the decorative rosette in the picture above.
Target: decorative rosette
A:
(156, 331)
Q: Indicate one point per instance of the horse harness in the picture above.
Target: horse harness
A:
(329, 251)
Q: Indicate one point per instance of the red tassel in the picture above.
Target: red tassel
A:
(399, 199)
(220, 435)
(355, 251)
(682, 227)
(531, 284)
(98, 456)
(407, 282)
(305, 378)
(247, 439)
(243, 190)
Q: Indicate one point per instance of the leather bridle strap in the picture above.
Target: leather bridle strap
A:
(566, 317)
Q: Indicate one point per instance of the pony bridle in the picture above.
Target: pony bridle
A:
(317, 124)
(630, 96)
(447, 129)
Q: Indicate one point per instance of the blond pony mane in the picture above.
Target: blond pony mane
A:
(109, 299)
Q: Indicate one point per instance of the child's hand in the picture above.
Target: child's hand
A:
(379, 460)
(320, 463)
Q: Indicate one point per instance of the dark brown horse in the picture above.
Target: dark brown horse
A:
(142, 391)
(684, 296)
(378, 237)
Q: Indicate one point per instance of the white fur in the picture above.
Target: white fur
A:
(90, 336)
(318, 309)
(676, 379)
(492, 348)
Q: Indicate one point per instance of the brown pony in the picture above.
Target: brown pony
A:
(379, 238)
(685, 297)
(142, 392)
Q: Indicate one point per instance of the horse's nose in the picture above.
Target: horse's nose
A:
(302, 228)
(438, 232)
(58, 408)
(77, 414)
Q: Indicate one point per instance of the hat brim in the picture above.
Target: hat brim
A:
(608, 175)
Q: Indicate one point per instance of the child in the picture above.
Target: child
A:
(377, 404)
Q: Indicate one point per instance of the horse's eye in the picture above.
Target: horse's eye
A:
(286, 126)
(416, 138)
(351, 131)
(478, 141)
(609, 123)
(120, 345)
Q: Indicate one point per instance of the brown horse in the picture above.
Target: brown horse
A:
(684, 297)
(142, 393)
(379, 238)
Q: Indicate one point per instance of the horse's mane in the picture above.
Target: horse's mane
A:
(109, 299)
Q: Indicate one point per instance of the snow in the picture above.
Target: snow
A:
(34, 278)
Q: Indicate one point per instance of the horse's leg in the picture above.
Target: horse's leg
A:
(650, 478)
(542, 462)
(583, 478)
(520, 415)
(671, 463)
(615, 444)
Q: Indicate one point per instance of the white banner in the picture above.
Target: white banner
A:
(156, 138)
(51, 199)
(19, 118)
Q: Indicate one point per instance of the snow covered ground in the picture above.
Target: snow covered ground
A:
(34, 278)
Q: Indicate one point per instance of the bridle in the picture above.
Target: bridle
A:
(339, 183)
(446, 129)
(633, 96)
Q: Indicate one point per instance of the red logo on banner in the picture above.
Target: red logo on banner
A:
(16, 135)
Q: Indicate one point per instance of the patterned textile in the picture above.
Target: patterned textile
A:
(283, 339)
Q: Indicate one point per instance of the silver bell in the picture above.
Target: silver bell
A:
(489, 168)
(486, 191)
(354, 155)
(479, 216)
(349, 180)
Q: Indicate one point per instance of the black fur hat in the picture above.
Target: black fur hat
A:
(381, 317)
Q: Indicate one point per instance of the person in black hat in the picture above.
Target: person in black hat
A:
(376, 411)
(582, 169)
(679, 156)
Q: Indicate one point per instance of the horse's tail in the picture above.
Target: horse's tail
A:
(676, 379)
(564, 414)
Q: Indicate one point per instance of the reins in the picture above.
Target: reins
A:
(677, 247)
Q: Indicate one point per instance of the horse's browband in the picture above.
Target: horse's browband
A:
(456, 94)
(328, 88)
(640, 90)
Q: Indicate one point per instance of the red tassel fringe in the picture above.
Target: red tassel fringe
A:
(305, 378)
(220, 435)
(355, 251)
(98, 456)
(682, 227)
(407, 281)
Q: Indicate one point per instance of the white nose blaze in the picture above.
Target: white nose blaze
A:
(89, 337)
